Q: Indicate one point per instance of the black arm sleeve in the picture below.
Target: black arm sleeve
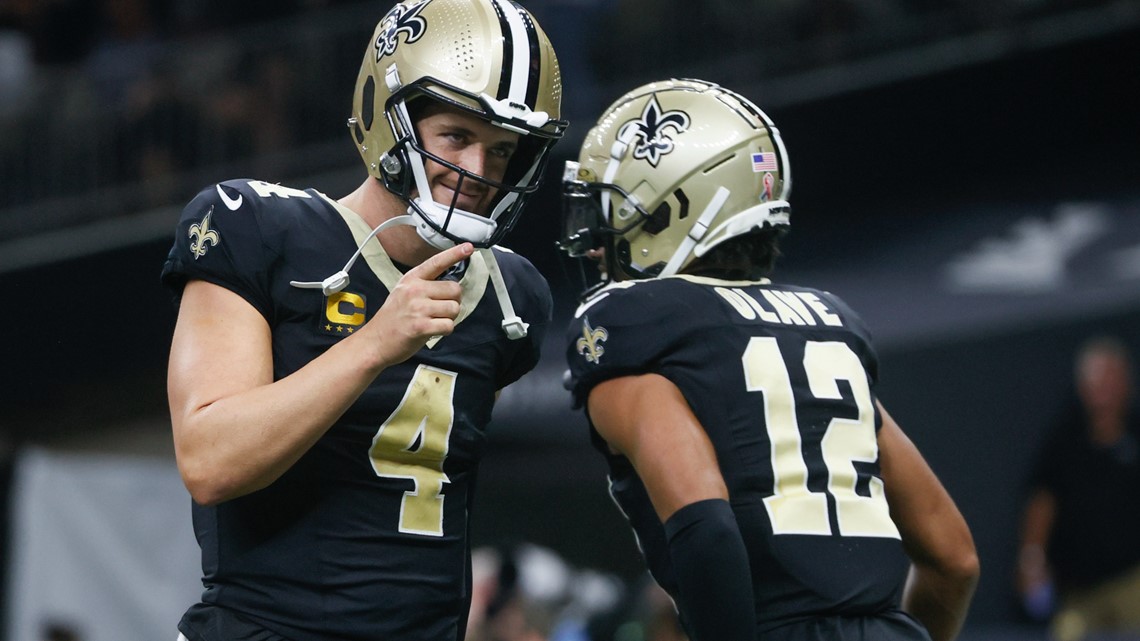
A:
(710, 564)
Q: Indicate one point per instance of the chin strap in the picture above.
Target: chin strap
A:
(697, 232)
(340, 280)
(512, 324)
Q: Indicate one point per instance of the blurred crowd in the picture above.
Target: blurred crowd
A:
(106, 93)
(123, 98)
(530, 593)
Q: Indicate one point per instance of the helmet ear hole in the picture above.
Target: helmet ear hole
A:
(622, 254)
(658, 221)
(683, 204)
(368, 103)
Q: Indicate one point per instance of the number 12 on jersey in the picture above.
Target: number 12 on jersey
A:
(793, 508)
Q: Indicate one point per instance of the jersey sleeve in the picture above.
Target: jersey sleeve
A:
(219, 239)
(531, 297)
(621, 332)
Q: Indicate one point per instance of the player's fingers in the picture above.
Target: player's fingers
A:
(437, 327)
(437, 308)
(434, 267)
(440, 289)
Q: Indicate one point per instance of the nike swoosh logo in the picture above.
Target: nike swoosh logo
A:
(231, 203)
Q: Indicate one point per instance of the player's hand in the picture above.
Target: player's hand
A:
(420, 307)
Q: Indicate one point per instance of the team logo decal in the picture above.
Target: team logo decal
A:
(651, 132)
(403, 19)
(232, 204)
(590, 345)
(201, 236)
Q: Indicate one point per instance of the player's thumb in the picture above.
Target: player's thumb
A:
(435, 266)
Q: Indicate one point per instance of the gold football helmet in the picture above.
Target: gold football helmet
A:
(671, 170)
(488, 57)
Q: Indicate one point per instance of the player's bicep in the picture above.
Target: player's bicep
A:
(221, 346)
(647, 419)
(933, 530)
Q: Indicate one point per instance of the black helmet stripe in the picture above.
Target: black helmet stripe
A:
(519, 78)
(533, 63)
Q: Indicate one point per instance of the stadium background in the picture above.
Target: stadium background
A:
(966, 176)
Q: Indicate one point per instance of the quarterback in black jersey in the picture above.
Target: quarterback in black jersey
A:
(772, 495)
(335, 363)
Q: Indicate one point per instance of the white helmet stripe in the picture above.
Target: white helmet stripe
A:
(517, 84)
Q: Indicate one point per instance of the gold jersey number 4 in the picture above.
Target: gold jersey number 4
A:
(793, 508)
(412, 444)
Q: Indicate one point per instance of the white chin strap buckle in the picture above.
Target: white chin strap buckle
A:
(512, 325)
(515, 328)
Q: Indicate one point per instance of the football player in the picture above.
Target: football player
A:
(335, 362)
(772, 495)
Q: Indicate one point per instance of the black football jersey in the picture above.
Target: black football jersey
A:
(365, 537)
(781, 378)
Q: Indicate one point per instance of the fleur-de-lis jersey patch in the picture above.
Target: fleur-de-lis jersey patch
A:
(202, 237)
(590, 345)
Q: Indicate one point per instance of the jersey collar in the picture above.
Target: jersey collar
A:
(474, 281)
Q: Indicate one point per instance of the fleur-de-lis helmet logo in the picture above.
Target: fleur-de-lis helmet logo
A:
(590, 345)
(201, 236)
(652, 132)
(401, 19)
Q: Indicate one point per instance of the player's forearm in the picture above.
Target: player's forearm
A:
(940, 597)
(710, 565)
(243, 442)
